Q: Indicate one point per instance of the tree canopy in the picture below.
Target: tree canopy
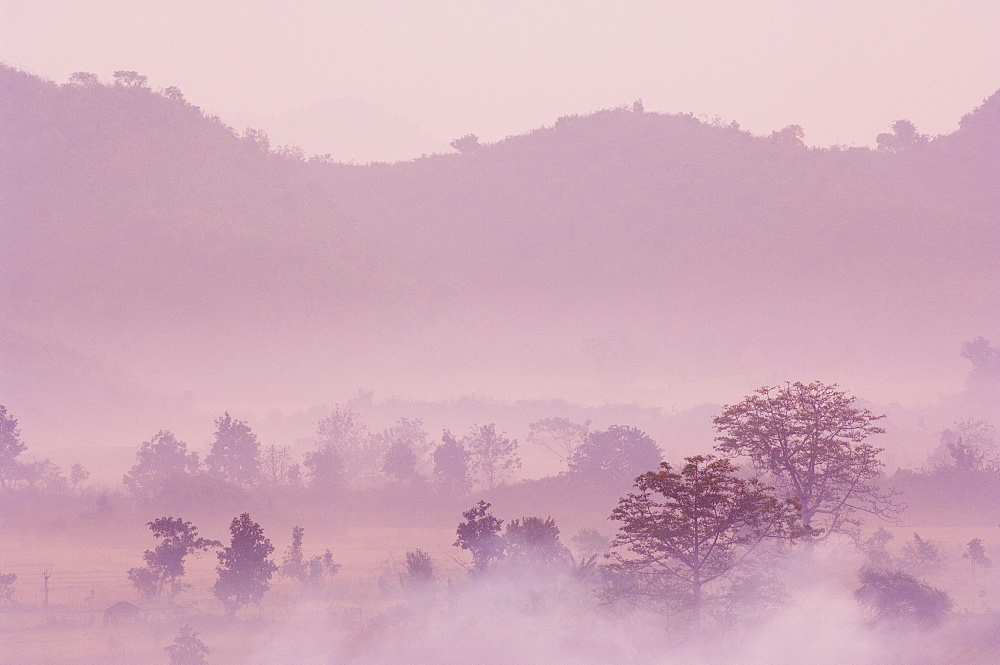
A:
(683, 530)
(811, 441)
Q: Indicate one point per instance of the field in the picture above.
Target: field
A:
(362, 615)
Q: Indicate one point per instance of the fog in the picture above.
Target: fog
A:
(547, 333)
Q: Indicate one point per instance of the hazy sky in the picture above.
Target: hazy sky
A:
(843, 70)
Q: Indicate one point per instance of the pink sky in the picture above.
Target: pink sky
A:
(843, 70)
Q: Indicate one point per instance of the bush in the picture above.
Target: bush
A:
(898, 596)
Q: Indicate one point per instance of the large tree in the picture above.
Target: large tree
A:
(683, 531)
(10, 447)
(235, 452)
(810, 440)
(244, 567)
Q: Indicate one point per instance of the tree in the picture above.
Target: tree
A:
(492, 457)
(129, 79)
(810, 439)
(310, 572)
(406, 449)
(7, 581)
(451, 464)
(985, 359)
(466, 144)
(684, 530)
(967, 447)
(921, 556)
(84, 80)
(534, 543)
(343, 433)
(276, 465)
(187, 649)
(976, 554)
(325, 467)
(164, 567)
(77, 474)
(875, 549)
(159, 461)
(615, 455)
(480, 534)
(235, 452)
(400, 462)
(418, 578)
(559, 436)
(903, 137)
(897, 596)
(10, 447)
(589, 542)
(244, 567)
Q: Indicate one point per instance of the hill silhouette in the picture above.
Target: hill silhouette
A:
(617, 255)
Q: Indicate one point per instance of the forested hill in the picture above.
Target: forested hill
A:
(618, 248)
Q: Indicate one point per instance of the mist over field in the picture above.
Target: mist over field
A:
(328, 335)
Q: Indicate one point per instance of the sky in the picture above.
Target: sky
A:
(408, 77)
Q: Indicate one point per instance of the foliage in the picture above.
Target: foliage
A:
(235, 452)
(451, 464)
(325, 468)
(904, 136)
(967, 447)
(159, 462)
(406, 434)
(480, 534)
(78, 474)
(534, 543)
(10, 447)
(400, 462)
(875, 549)
(244, 567)
(811, 440)
(276, 466)
(165, 564)
(560, 436)
(344, 451)
(898, 596)
(976, 554)
(312, 572)
(590, 542)
(7, 581)
(921, 556)
(418, 577)
(684, 530)
(187, 649)
(615, 455)
(492, 457)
